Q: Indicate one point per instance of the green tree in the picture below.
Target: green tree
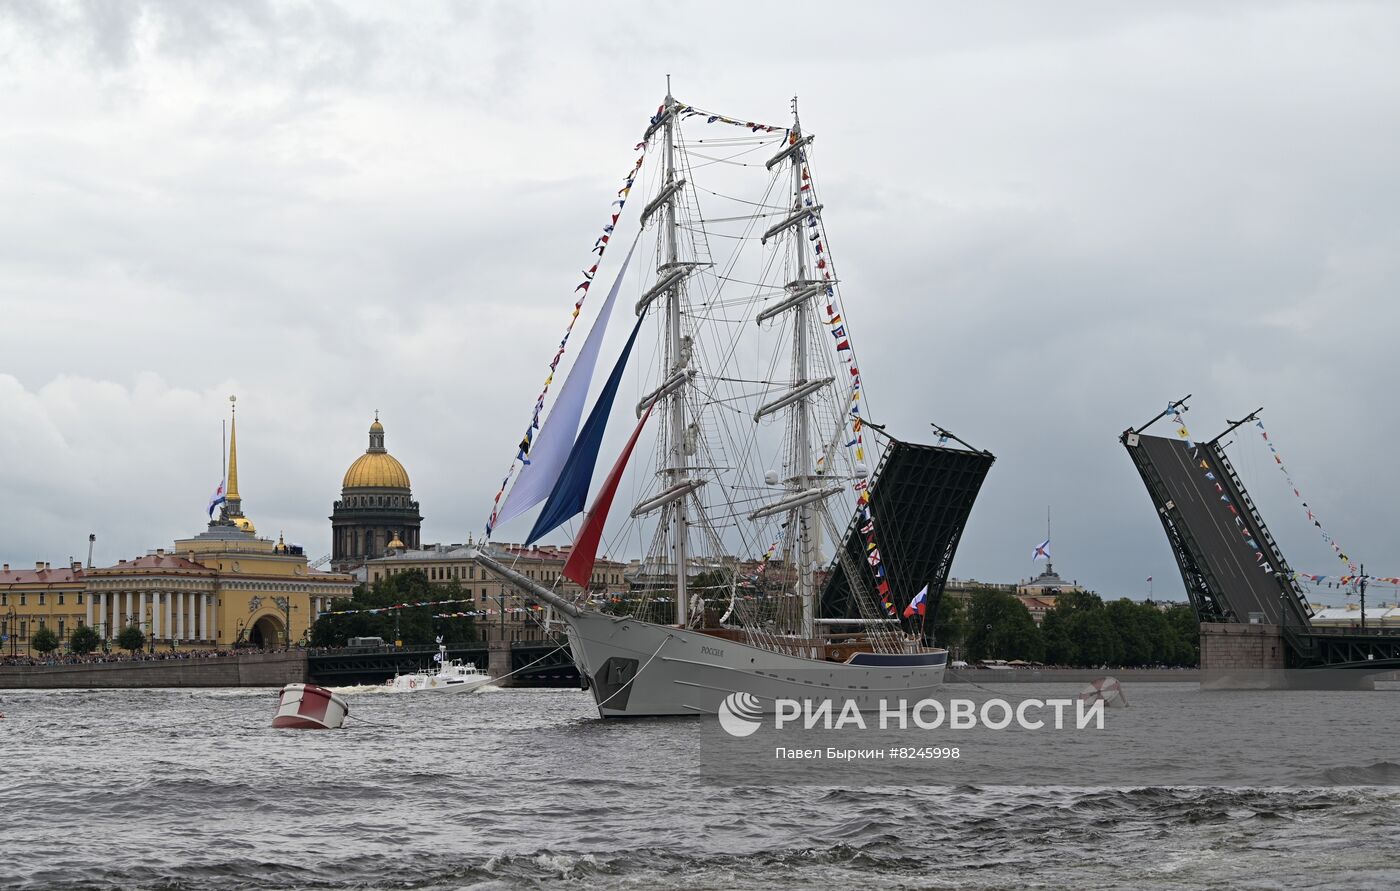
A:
(1077, 601)
(1182, 619)
(1160, 632)
(416, 625)
(1059, 646)
(949, 622)
(84, 640)
(1096, 641)
(44, 641)
(1000, 627)
(131, 639)
(1130, 624)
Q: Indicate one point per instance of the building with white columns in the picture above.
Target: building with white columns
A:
(222, 587)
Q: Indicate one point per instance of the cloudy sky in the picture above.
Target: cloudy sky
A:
(1049, 220)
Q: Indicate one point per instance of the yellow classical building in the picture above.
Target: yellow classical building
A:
(221, 587)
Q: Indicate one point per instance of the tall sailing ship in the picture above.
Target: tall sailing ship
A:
(777, 564)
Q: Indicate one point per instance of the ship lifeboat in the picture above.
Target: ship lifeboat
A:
(309, 707)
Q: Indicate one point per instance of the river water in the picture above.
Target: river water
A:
(191, 789)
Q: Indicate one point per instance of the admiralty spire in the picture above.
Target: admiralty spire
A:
(233, 506)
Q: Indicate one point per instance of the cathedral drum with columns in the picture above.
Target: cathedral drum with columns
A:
(376, 507)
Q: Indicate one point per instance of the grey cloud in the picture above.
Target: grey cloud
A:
(1048, 223)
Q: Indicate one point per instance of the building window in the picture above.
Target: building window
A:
(60, 629)
(23, 598)
(80, 598)
(41, 598)
(4, 600)
(60, 600)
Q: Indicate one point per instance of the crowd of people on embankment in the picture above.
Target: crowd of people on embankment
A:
(98, 658)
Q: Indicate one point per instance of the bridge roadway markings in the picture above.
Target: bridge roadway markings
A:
(1200, 508)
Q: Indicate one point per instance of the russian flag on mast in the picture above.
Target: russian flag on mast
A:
(918, 604)
(217, 499)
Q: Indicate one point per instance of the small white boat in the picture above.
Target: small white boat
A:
(309, 707)
(453, 676)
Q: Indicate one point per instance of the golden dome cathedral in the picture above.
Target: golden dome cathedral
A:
(376, 468)
(376, 511)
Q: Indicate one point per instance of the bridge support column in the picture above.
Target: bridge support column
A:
(1227, 645)
(498, 662)
(1237, 656)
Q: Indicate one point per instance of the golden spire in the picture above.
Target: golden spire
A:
(231, 492)
(234, 502)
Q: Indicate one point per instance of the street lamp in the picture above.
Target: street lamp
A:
(285, 604)
(10, 630)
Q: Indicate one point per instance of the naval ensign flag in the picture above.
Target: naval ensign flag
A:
(216, 499)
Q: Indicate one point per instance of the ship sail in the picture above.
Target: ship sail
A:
(579, 567)
(759, 521)
(551, 447)
(570, 491)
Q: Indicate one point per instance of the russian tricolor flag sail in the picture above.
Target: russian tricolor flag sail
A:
(579, 567)
(550, 452)
(570, 493)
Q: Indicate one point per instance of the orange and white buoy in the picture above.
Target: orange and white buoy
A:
(309, 707)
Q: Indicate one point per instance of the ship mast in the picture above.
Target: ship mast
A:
(800, 420)
(804, 493)
(679, 361)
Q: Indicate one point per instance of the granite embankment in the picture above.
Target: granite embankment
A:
(242, 670)
(1070, 675)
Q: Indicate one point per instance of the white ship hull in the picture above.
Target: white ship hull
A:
(639, 668)
(431, 684)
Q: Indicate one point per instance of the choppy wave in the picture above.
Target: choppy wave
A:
(1381, 773)
(525, 789)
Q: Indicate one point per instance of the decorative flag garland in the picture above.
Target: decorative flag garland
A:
(458, 615)
(1240, 524)
(1346, 580)
(1283, 468)
(478, 613)
(772, 549)
(834, 320)
(387, 609)
(690, 111)
(600, 246)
